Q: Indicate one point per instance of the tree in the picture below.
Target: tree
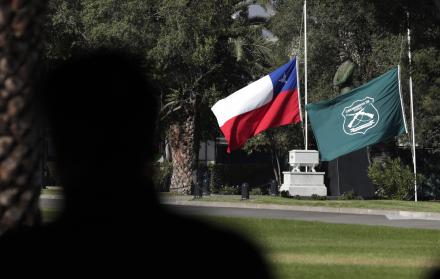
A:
(423, 18)
(277, 142)
(426, 77)
(393, 179)
(374, 34)
(192, 53)
(333, 27)
(202, 55)
(263, 56)
(78, 25)
(20, 33)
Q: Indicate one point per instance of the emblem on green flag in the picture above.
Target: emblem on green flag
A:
(367, 115)
(360, 116)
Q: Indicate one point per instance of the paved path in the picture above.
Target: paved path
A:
(51, 202)
(404, 219)
(339, 218)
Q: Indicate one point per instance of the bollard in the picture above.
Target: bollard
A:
(197, 191)
(205, 184)
(245, 191)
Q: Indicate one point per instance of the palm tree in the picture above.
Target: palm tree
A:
(207, 61)
(20, 32)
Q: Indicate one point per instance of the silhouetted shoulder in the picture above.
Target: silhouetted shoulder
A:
(210, 250)
(164, 245)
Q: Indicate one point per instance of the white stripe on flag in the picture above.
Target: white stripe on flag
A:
(251, 97)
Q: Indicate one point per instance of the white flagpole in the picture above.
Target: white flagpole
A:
(412, 113)
(401, 100)
(305, 73)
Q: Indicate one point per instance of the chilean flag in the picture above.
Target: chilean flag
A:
(271, 101)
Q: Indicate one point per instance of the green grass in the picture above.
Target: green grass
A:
(56, 192)
(424, 206)
(299, 249)
(50, 215)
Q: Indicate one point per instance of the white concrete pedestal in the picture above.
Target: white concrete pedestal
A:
(304, 184)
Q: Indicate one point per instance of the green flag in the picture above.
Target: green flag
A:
(367, 115)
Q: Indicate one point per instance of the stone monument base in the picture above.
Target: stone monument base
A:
(304, 184)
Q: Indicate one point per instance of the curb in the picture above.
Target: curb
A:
(390, 214)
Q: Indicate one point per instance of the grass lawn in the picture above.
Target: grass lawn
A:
(55, 192)
(49, 214)
(299, 249)
(427, 206)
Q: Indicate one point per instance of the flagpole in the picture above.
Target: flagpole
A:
(401, 100)
(305, 73)
(412, 112)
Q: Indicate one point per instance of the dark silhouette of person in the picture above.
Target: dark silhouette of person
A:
(101, 111)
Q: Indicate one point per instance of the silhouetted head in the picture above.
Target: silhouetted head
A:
(101, 113)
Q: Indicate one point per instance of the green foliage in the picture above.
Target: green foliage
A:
(313, 197)
(256, 191)
(335, 26)
(81, 24)
(161, 175)
(428, 162)
(349, 195)
(302, 249)
(229, 190)
(393, 179)
(277, 141)
(191, 48)
(255, 175)
(318, 197)
(426, 77)
(374, 35)
(52, 174)
(221, 176)
(187, 43)
(281, 138)
(192, 53)
(285, 194)
(199, 54)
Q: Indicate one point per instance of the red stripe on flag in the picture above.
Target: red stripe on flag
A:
(283, 110)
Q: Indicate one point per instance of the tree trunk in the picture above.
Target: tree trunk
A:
(276, 167)
(275, 160)
(183, 153)
(279, 181)
(20, 29)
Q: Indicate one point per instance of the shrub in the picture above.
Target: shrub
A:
(52, 175)
(256, 191)
(285, 194)
(349, 195)
(162, 176)
(317, 197)
(393, 179)
(229, 190)
(223, 174)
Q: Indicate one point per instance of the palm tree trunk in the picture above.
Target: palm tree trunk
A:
(183, 146)
(20, 29)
